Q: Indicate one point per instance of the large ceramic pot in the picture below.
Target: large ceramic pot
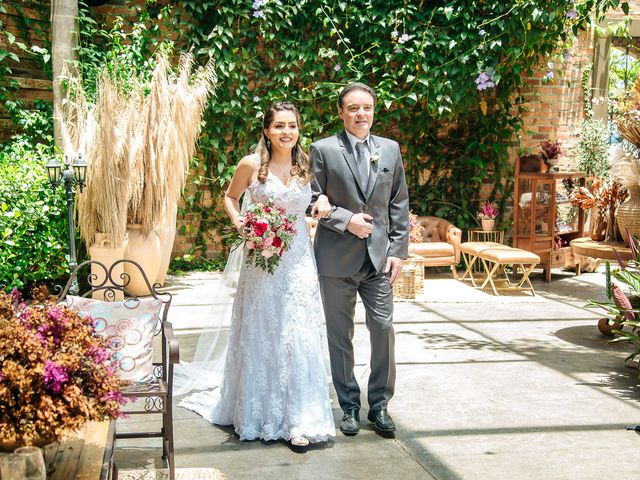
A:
(167, 236)
(146, 251)
(105, 252)
(628, 214)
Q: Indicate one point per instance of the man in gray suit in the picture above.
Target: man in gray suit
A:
(359, 250)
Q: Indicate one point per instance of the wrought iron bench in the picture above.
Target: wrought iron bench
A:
(154, 395)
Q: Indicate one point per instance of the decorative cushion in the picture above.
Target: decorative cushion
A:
(128, 327)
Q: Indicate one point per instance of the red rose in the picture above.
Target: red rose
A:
(277, 241)
(260, 227)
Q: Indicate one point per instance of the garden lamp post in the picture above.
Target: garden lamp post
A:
(71, 174)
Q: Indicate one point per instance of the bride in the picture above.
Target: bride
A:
(274, 384)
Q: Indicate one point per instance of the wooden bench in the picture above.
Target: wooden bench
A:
(97, 281)
(494, 257)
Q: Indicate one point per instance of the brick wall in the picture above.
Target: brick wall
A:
(35, 84)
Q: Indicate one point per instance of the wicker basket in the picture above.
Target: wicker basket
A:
(405, 284)
(410, 281)
(628, 215)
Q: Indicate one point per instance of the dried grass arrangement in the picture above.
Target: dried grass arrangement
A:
(625, 167)
(138, 140)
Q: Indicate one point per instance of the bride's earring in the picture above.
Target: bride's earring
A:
(268, 143)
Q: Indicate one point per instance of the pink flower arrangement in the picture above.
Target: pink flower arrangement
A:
(488, 211)
(55, 372)
(415, 229)
(267, 233)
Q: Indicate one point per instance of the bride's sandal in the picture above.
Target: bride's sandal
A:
(299, 443)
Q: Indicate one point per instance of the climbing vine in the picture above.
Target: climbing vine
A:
(450, 80)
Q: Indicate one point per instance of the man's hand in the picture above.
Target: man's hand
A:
(359, 225)
(394, 266)
(322, 207)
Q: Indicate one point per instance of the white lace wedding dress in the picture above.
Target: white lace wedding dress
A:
(275, 378)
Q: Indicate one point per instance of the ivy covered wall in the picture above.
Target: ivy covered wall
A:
(453, 79)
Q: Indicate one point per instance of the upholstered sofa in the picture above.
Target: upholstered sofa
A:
(440, 245)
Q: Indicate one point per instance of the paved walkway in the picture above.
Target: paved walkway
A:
(488, 389)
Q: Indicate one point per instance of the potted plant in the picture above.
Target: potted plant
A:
(601, 198)
(551, 152)
(487, 214)
(56, 374)
(138, 140)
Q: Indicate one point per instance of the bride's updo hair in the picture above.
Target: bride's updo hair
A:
(299, 159)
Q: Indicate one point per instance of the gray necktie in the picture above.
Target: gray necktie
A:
(361, 160)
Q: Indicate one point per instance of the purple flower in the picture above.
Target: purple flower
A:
(337, 68)
(15, 296)
(256, 99)
(54, 331)
(117, 396)
(258, 14)
(56, 314)
(566, 55)
(572, 13)
(548, 76)
(484, 81)
(482, 32)
(55, 376)
(397, 50)
(404, 38)
(99, 355)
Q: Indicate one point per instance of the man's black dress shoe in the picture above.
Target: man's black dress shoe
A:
(350, 424)
(382, 420)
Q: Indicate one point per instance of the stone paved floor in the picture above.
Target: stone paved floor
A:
(485, 390)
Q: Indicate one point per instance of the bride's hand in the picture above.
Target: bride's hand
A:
(322, 207)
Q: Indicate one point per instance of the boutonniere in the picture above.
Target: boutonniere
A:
(375, 158)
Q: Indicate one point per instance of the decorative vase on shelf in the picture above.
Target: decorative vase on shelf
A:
(597, 224)
(628, 214)
(487, 224)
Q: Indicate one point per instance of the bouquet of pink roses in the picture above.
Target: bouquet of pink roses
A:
(268, 233)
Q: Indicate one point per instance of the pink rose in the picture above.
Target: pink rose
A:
(251, 245)
(267, 241)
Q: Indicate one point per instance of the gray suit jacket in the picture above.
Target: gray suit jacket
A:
(338, 252)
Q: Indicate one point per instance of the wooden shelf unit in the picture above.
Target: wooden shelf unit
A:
(535, 215)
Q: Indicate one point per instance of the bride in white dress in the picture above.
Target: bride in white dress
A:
(274, 384)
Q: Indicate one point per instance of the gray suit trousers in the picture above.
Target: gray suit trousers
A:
(339, 298)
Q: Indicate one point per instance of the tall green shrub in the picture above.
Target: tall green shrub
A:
(33, 228)
(592, 150)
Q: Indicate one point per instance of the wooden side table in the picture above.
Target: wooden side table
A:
(485, 236)
(590, 248)
(88, 455)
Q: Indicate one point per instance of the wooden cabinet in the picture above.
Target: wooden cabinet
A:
(544, 220)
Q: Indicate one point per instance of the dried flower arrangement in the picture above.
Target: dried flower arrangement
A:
(55, 373)
(488, 211)
(415, 229)
(625, 167)
(601, 194)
